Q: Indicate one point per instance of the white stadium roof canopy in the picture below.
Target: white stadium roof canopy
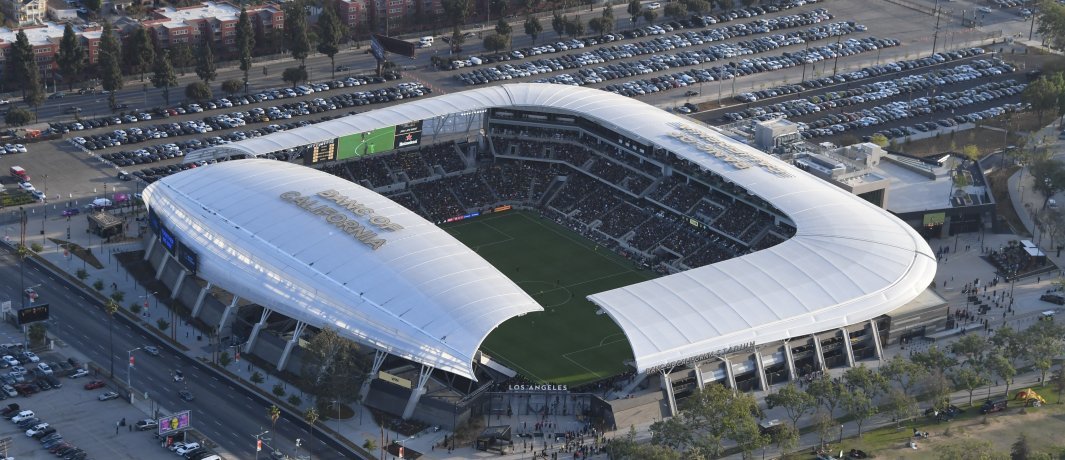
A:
(263, 231)
(848, 262)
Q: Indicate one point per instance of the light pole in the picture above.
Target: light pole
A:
(129, 373)
(112, 308)
(258, 442)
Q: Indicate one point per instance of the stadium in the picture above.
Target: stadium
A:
(538, 239)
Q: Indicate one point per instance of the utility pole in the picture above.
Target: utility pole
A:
(935, 35)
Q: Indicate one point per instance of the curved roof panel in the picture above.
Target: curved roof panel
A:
(328, 252)
(849, 261)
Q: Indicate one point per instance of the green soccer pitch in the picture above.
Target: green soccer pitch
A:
(567, 343)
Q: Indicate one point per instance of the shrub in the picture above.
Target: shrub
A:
(295, 400)
(279, 390)
(162, 324)
(256, 377)
(118, 296)
(135, 308)
(36, 247)
(224, 359)
(81, 274)
(98, 285)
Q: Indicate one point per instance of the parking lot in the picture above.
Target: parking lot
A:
(78, 416)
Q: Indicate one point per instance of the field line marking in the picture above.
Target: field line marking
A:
(583, 244)
(582, 366)
(601, 344)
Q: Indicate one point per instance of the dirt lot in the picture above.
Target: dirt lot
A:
(1042, 425)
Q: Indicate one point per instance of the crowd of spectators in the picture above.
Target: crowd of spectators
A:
(437, 200)
(736, 218)
(409, 162)
(685, 241)
(576, 188)
(471, 191)
(653, 230)
(445, 155)
(621, 220)
(594, 206)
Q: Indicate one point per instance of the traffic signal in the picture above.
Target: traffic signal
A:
(258, 445)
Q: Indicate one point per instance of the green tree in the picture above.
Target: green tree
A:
(971, 152)
(1048, 178)
(860, 406)
(971, 347)
(823, 423)
(1043, 344)
(934, 359)
(558, 23)
(902, 371)
(20, 53)
(33, 89)
(1043, 94)
(675, 10)
(533, 28)
(206, 68)
(139, 52)
(71, 58)
(872, 383)
(503, 27)
(294, 75)
(108, 63)
(674, 432)
(17, 116)
(1002, 368)
(245, 42)
(608, 19)
(198, 91)
(38, 333)
(296, 38)
(634, 9)
(93, 5)
(273, 413)
(698, 7)
(496, 42)
(332, 366)
(574, 28)
(311, 415)
(330, 33)
(456, 11)
(650, 16)
(181, 56)
(938, 388)
(231, 87)
(879, 139)
(827, 392)
(224, 359)
(796, 402)
(596, 26)
(969, 379)
(785, 437)
(163, 74)
(901, 406)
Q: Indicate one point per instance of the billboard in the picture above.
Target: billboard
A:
(394, 45)
(173, 423)
(368, 143)
(321, 152)
(33, 314)
(408, 134)
(188, 258)
(935, 218)
(167, 238)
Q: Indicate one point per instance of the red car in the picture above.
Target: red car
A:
(94, 385)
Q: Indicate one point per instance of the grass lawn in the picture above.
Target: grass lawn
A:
(567, 343)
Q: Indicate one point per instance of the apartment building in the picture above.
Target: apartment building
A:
(25, 12)
(212, 21)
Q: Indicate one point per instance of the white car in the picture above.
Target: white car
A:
(10, 360)
(79, 373)
(26, 186)
(21, 148)
(36, 428)
(984, 9)
(31, 356)
(44, 368)
(188, 447)
(22, 416)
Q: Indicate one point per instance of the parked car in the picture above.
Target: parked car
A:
(993, 406)
(151, 350)
(108, 396)
(146, 424)
(78, 373)
(71, 212)
(186, 395)
(36, 428)
(1053, 298)
(94, 385)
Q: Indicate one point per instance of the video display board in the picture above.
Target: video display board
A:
(168, 239)
(188, 258)
(321, 152)
(33, 314)
(408, 134)
(173, 423)
(368, 143)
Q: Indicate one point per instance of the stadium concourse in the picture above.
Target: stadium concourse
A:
(766, 273)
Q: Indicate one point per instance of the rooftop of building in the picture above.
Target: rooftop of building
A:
(47, 33)
(913, 191)
(177, 17)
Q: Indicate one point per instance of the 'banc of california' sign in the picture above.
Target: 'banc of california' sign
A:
(344, 223)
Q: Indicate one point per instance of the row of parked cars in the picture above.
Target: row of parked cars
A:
(695, 21)
(658, 45)
(48, 435)
(857, 75)
(729, 71)
(955, 120)
(135, 135)
(135, 116)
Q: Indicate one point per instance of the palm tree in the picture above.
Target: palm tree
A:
(311, 416)
(112, 308)
(275, 413)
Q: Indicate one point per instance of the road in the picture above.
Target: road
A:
(222, 411)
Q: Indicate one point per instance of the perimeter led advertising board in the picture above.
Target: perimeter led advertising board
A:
(172, 423)
(363, 144)
(408, 134)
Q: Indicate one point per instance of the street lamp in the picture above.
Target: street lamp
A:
(129, 373)
(112, 308)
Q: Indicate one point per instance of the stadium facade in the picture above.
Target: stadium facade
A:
(321, 251)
